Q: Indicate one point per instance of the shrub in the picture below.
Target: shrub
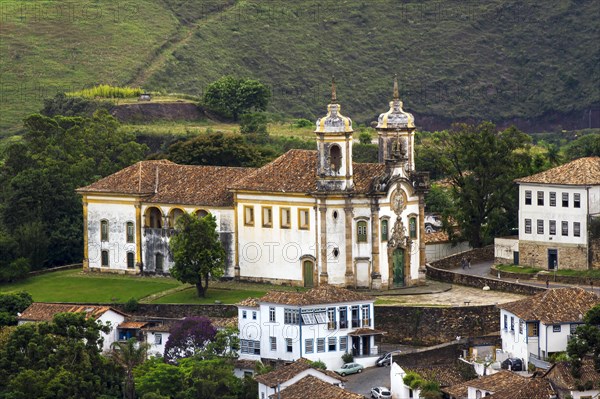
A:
(364, 137)
(255, 122)
(16, 270)
(301, 123)
(319, 365)
(347, 357)
(131, 305)
(108, 91)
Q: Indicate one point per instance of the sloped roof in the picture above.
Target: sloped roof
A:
(133, 324)
(316, 296)
(249, 302)
(560, 374)
(529, 388)
(312, 387)
(224, 322)
(163, 181)
(444, 374)
(287, 372)
(493, 382)
(296, 172)
(582, 171)
(41, 311)
(559, 305)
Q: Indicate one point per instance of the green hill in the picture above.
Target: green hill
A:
(499, 60)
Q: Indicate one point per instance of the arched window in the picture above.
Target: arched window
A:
(129, 232)
(104, 230)
(478, 394)
(412, 227)
(385, 229)
(174, 216)
(201, 213)
(361, 231)
(335, 157)
(130, 260)
(154, 218)
(104, 258)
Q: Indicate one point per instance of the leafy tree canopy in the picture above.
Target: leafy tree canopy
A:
(586, 341)
(231, 97)
(188, 337)
(11, 304)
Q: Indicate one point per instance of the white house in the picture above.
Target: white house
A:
(556, 208)
(305, 219)
(105, 315)
(584, 387)
(320, 324)
(534, 328)
(282, 377)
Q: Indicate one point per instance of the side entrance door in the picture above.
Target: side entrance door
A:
(552, 259)
(308, 273)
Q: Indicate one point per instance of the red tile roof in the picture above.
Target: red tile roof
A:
(295, 171)
(559, 305)
(166, 182)
(287, 372)
(316, 296)
(133, 324)
(493, 382)
(582, 171)
(444, 374)
(530, 388)
(312, 387)
(41, 311)
(561, 376)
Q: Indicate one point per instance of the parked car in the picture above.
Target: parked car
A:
(386, 358)
(349, 368)
(513, 364)
(380, 393)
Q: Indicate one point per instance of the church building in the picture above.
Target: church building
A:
(308, 218)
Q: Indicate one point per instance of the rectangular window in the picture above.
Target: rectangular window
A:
(565, 228)
(343, 344)
(303, 221)
(157, 339)
(527, 226)
(250, 347)
(412, 227)
(527, 197)
(505, 322)
(272, 315)
(512, 323)
(331, 324)
(361, 231)
(290, 316)
(267, 216)
(540, 226)
(285, 215)
(532, 329)
(366, 315)
(576, 229)
(520, 326)
(273, 342)
(104, 230)
(129, 231)
(130, 260)
(308, 317)
(552, 198)
(540, 195)
(355, 317)
(104, 260)
(331, 344)
(321, 316)
(248, 215)
(556, 328)
(573, 328)
(253, 315)
(384, 230)
(565, 200)
(309, 345)
(553, 227)
(343, 317)
(320, 344)
(577, 200)
(243, 314)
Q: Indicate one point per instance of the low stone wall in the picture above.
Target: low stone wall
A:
(494, 272)
(431, 325)
(568, 279)
(447, 276)
(56, 269)
(176, 311)
(476, 255)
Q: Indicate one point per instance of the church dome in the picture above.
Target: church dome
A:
(334, 121)
(396, 117)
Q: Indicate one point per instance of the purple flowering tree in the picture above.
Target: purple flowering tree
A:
(188, 337)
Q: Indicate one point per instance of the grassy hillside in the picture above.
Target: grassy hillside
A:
(496, 59)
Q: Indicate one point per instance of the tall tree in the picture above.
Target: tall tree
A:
(188, 337)
(197, 251)
(231, 97)
(128, 355)
(482, 163)
(586, 341)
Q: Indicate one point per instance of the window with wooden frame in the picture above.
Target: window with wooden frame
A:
(129, 232)
(361, 231)
(248, 215)
(285, 217)
(104, 230)
(267, 216)
(303, 219)
(130, 260)
(412, 227)
(385, 229)
(104, 259)
(527, 197)
(577, 200)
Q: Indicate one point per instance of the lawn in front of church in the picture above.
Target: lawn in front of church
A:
(213, 295)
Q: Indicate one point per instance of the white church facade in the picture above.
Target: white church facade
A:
(307, 218)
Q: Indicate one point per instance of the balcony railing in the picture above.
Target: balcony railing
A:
(355, 323)
(332, 325)
(366, 322)
(343, 323)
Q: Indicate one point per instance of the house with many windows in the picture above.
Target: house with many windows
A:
(308, 218)
(559, 219)
(320, 324)
(534, 328)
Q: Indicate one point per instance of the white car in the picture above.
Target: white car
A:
(433, 223)
(380, 393)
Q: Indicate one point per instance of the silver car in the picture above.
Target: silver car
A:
(380, 393)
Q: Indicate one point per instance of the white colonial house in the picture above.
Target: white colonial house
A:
(534, 328)
(305, 219)
(556, 210)
(105, 315)
(321, 324)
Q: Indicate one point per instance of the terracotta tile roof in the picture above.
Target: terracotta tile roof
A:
(133, 324)
(244, 364)
(316, 296)
(366, 331)
(438, 236)
(164, 326)
(163, 181)
(444, 374)
(312, 387)
(295, 171)
(224, 322)
(560, 375)
(249, 302)
(40, 311)
(560, 305)
(493, 382)
(529, 388)
(287, 372)
(582, 171)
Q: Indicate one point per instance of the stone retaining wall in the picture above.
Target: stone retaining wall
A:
(503, 274)
(55, 269)
(476, 255)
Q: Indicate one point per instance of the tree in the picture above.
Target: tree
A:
(197, 251)
(481, 163)
(584, 146)
(128, 355)
(255, 122)
(11, 304)
(188, 337)
(231, 97)
(586, 341)
(159, 378)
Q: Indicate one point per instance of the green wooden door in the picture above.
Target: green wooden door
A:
(308, 273)
(398, 270)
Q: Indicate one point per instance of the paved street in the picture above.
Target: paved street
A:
(369, 378)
